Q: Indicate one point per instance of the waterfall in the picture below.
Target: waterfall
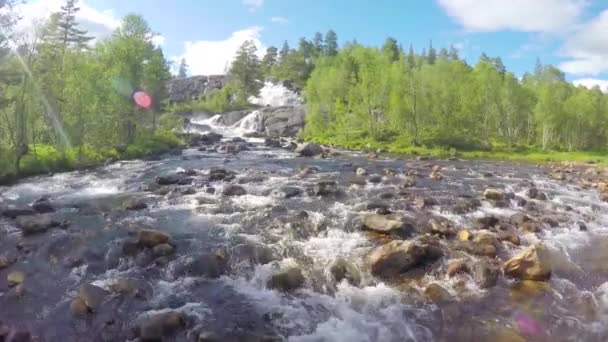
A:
(276, 95)
(250, 123)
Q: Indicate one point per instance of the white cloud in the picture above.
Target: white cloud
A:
(280, 20)
(253, 5)
(158, 40)
(591, 82)
(515, 15)
(587, 48)
(98, 23)
(211, 57)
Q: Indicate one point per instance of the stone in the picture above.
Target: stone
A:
(326, 188)
(254, 252)
(287, 280)
(464, 235)
(387, 224)
(92, 296)
(361, 172)
(358, 180)
(398, 257)
(157, 326)
(519, 219)
(425, 202)
(390, 172)
(6, 261)
(510, 236)
(436, 175)
(457, 266)
(375, 179)
(550, 221)
(43, 206)
(378, 207)
(130, 287)
(151, 238)
(309, 150)
(493, 194)
(287, 192)
(581, 226)
(409, 182)
(532, 193)
(272, 142)
(185, 181)
(135, 204)
(530, 227)
(436, 293)
(211, 265)
(234, 190)
(169, 180)
(485, 273)
(462, 206)
(14, 213)
(15, 278)
(164, 249)
(342, 269)
(219, 174)
(37, 224)
(531, 264)
(78, 308)
(441, 227)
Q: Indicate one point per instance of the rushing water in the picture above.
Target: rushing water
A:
(238, 305)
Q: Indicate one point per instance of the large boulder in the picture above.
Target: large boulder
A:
(157, 326)
(285, 121)
(493, 194)
(135, 203)
(287, 192)
(43, 206)
(326, 188)
(531, 264)
(234, 190)
(17, 212)
(342, 269)
(91, 296)
(398, 257)
(485, 273)
(30, 225)
(309, 150)
(392, 224)
(151, 238)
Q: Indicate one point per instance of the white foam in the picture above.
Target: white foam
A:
(276, 95)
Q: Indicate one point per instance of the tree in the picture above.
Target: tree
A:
(391, 50)
(317, 43)
(331, 43)
(270, 60)
(432, 56)
(453, 53)
(411, 57)
(443, 54)
(499, 65)
(245, 69)
(183, 69)
(69, 34)
(305, 48)
(284, 51)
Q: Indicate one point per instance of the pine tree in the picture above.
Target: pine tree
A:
(245, 69)
(411, 57)
(317, 43)
(538, 68)
(432, 56)
(284, 51)
(443, 54)
(391, 50)
(183, 69)
(69, 34)
(331, 43)
(453, 54)
(499, 66)
(305, 48)
(269, 60)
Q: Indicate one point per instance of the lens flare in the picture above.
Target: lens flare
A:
(527, 325)
(142, 99)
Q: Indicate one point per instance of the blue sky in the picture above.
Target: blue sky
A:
(572, 34)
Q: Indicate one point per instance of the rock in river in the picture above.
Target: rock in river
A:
(157, 326)
(135, 204)
(234, 190)
(151, 238)
(342, 269)
(309, 150)
(43, 206)
(287, 280)
(30, 225)
(387, 224)
(493, 194)
(532, 264)
(15, 278)
(91, 296)
(398, 257)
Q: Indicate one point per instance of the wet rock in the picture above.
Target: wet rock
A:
(425, 202)
(43, 206)
(309, 150)
(542, 196)
(441, 227)
(342, 269)
(238, 140)
(519, 219)
(409, 182)
(169, 180)
(131, 287)
(532, 193)
(253, 135)
(487, 222)
(387, 224)
(219, 174)
(530, 264)
(135, 204)
(157, 326)
(287, 192)
(375, 179)
(92, 296)
(457, 266)
(380, 208)
(581, 226)
(151, 238)
(15, 278)
(510, 236)
(6, 261)
(361, 172)
(210, 138)
(234, 190)
(30, 225)
(358, 180)
(521, 202)
(530, 227)
(259, 178)
(164, 249)
(78, 308)
(436, 175)
(211, 265)
(398, 257)
(272, 142)
(14, 213)
(493, 194)
(287, 280)
(254, 252)
(462, 206)
(435, 293)
(550, 221)
(465, 235)
(326, 188)
(485, 273)
(185, 181)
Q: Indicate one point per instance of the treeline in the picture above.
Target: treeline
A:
(436, 99)
(67, 101)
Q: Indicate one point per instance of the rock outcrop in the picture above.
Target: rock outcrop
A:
(191, 88)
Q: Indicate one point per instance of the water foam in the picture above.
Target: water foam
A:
(276, 95)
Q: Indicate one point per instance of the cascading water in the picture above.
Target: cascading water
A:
(250, 123)
(276, 95)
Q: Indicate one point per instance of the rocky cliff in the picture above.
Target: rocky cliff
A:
(193, 87)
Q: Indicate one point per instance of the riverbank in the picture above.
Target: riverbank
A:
(44, 159)
(513, 155)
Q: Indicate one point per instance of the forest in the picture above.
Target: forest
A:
(67, 101)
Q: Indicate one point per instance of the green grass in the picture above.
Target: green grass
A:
(525, 155)
(43, 159)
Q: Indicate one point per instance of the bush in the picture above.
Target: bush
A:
(145, 145)
(43, 159)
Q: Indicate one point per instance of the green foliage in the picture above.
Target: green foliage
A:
(246, 70)
(230, 98)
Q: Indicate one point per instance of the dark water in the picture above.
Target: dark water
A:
(261, 233)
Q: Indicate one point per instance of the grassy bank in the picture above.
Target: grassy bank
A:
(42, 159)
(526, 155)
